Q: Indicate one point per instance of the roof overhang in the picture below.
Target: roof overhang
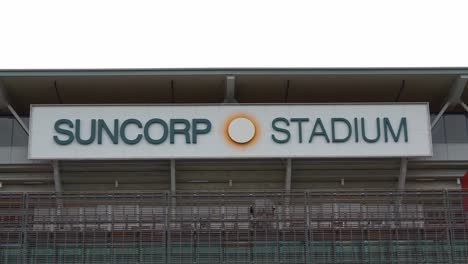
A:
(267, 85)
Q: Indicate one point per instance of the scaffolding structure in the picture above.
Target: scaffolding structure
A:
(267, 227)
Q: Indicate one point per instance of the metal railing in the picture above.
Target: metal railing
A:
(309, 227)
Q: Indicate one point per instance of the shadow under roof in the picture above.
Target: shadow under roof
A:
(267, 85)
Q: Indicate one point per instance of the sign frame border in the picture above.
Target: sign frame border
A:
(426, 104)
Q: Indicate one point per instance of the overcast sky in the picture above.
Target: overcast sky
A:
(252, 33)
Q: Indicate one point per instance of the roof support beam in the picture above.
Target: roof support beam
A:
(464, 106)
(5, 102)
(454, 97)
(439, 115)
(19, 120)
(457, 89)
(230, 92)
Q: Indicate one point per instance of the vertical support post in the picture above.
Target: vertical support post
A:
(57, 188)
(403, 172)
(167, 248)
(230, 94)
(24, 227)
(278, 233)
(401, 188)
(171, 212)
(307, 231)
(287, 180)
(287, 189)
(448, 218)
(173, 177)
(139, 233)
(57, 178)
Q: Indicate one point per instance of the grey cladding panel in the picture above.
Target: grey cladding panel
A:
(438, 132)
(19, 150)
(456, 128)
(6, 126)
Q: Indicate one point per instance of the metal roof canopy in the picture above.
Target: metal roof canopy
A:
(268, 85)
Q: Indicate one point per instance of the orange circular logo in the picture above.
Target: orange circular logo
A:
(241, 130)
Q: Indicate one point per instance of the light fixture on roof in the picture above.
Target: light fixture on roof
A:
(198, 181)
(32, 182)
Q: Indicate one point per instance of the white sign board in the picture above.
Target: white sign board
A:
(229, 131)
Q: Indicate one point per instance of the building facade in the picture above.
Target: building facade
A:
(302, 194)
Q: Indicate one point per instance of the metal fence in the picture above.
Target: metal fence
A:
(310, 227)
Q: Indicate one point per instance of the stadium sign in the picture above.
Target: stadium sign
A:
(229, 131)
